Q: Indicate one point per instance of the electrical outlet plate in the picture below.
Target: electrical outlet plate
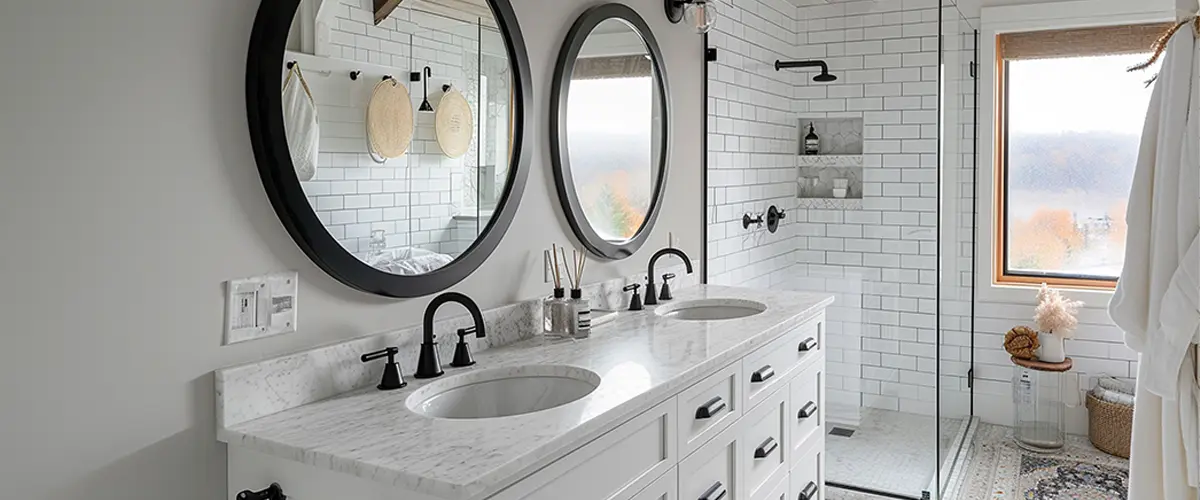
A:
(260, 306)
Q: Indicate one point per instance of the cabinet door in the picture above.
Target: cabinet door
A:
(808, 475)
(711, 473)
(663, 488)
(806, 414)
(765, 447)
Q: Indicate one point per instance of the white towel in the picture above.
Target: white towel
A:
(302, 129)
(1156, 298)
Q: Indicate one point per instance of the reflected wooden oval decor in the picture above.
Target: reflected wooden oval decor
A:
(390, 119)
(454, 125)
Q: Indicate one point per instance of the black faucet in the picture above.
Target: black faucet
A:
(429, 365)
(652, 294)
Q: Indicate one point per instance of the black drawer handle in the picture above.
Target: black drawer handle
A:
(715, 492)
(808, 410)
(763, 374)
(808, 344)
(764, 450)
(710, 408)
(810, 492)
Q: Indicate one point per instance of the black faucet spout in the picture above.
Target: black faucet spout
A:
(429, 365)
(651, 293)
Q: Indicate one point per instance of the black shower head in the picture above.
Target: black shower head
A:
(824, 77)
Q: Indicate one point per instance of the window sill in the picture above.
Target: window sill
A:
(1026, 293)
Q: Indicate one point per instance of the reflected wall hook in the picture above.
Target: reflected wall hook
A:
(290, 64)
(425, 106)
(354, 74)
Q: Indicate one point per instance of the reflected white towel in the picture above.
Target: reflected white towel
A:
(300, 124)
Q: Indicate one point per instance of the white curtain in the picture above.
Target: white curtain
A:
(1157, 302)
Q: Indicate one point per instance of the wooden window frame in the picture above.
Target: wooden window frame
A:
(1001, 274)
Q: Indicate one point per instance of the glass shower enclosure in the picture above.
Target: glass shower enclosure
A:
(882, 216)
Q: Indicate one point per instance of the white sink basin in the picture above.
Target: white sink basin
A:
(711, 309)
(503, 392)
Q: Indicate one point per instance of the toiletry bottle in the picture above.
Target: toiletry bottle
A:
(583, 315)
(812, 143)
(551, 310)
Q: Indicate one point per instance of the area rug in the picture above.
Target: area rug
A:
(995, 468)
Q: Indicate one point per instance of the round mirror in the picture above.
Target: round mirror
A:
(388, 135)
(610, 130)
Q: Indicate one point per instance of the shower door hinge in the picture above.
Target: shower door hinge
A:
(973, 75)
(971, 378)
(710, 55)
(925, 495)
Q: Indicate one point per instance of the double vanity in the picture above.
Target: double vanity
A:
(714, 395)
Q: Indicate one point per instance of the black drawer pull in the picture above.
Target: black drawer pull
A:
(809, 493)
(763, 374)
(764, 450)
(808, 410)
(808, 344)
(715, 492)
(710, 408)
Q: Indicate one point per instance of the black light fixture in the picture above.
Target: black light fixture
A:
(425, 106)
(701, 15)
(824, 77)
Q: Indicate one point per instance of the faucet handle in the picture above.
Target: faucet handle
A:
(635, 302)
(391, 371)
(668, 276)
(665, 291)
(463, 332)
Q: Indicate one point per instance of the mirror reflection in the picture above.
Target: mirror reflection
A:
(614, 130)
(399, 123)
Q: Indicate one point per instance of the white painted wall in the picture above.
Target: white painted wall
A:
(129, 195)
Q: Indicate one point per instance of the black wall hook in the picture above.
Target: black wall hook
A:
(290, 64)
(425, 106)
(354, 74)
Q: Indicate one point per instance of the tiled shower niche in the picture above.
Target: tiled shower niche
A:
(834, 177)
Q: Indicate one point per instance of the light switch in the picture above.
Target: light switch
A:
(260, 306)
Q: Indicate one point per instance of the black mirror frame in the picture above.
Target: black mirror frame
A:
(563, 181)
(265, 113)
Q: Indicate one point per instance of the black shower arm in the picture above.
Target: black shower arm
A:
(801, 64)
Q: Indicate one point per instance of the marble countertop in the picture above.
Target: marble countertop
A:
(641, 357)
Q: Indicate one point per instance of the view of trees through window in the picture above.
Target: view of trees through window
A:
(1074, 129)
(609, 130)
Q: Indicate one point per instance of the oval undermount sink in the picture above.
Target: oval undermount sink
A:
(503, 392)
(711, 309)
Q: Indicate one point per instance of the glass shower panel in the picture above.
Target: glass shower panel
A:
(956, 224)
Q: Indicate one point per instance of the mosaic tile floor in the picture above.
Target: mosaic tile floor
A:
(890, 452)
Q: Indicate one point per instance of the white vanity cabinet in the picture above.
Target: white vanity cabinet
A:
(750, 430)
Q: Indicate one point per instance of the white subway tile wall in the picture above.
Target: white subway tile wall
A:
(881, 260)
(421, 199)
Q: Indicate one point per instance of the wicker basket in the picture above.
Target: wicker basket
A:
(1110, 426)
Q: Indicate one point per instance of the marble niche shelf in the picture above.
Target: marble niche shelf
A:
(819, 177)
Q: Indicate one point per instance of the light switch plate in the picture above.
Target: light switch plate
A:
(260, 306)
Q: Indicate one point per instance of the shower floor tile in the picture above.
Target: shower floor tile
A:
(890, 452)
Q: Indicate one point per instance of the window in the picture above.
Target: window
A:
(1070, 125)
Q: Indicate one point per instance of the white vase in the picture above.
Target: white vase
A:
(1052, 350)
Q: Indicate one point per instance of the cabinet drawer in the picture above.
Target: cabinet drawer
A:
(765, 447)
(709, 407)
(807, 477)
(767, 367)
(614, 466)
(807, 405)
(711, 473)
(665, 487)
